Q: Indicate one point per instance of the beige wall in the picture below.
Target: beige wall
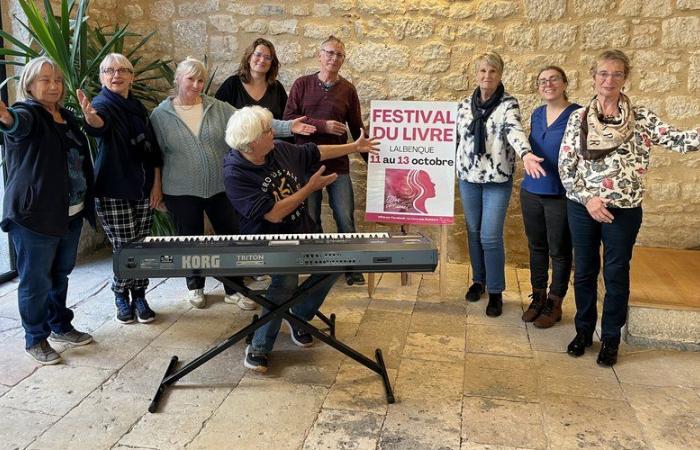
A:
(422, 50)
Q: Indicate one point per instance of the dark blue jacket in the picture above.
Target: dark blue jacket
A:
(37, 189)
(123, 169)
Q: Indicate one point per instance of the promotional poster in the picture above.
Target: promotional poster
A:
(411, 180)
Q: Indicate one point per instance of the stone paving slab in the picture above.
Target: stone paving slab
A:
(389, 288)
(579, 423)
(475, 446)
(19, 428)
(54, 390)
(336, 429)
(384, 330)
(15, 365)
(427, 414)
(498, 340)
(554, 339)
(357, 388)
(653, 367)
(484, 421)
(439, 318)
(434, 347)
(501, 377)
(670, 416)
(97, 422)
(391, 306)
(262, 414)
(429, 291)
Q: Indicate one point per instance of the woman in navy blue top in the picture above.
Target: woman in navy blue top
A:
(543, 202)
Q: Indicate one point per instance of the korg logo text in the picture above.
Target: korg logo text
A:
(201, 262)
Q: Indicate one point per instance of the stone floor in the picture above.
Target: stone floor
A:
(462, 380)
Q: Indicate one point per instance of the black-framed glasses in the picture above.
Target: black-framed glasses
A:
(550, 80)
(263, 56)
(332, 54)
(120, 70)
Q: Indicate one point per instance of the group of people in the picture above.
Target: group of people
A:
(583, 186)
(256, 162)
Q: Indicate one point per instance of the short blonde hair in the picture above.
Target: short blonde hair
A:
(612, 55)
(246, 126)
(190, 66)
(29, 74)
(120, 59)
(493, 59)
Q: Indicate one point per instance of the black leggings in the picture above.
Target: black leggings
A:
(547, 231)
(187, 211)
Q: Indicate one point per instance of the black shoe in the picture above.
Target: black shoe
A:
(300, 337)
(255, 361)
(125, 310)
(354, 278)
(474, 293)
(144, 313)
(577, 347)
(495, 306)
(608, 353)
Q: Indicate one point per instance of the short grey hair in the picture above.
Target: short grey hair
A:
(120, 59)
(246, 126)
(190, 66)
(493, 59)
(29, 74)
(332, 38)
(612, 55)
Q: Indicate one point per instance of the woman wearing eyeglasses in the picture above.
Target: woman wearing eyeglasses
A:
(543, 202)
(255, 83)
(127, 174)
(602, 162)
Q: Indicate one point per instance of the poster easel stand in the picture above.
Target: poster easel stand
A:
(405, 276)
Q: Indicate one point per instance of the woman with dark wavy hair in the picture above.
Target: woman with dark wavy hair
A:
(255, 83)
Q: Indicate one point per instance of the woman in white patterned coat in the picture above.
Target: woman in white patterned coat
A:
(489, 133)
(602, 162)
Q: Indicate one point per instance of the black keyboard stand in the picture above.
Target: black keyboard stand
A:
(276, 311)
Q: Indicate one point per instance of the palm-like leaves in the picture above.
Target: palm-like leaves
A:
(78, 48)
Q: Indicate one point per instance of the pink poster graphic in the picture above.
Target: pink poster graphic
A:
(411, 180)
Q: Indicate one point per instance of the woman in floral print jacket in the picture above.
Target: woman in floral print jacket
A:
(489, 135)
(602, 162)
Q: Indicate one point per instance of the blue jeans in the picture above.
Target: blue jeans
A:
(485, 206)
(43, 265)
(281, 289)
(618, 240)
(341, 199)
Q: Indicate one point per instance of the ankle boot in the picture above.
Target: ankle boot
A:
(551, 312)
(495, 306)
(608, 353)
(577, 347)
(538, 297)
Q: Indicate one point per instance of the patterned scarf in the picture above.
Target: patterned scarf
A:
(600, 135)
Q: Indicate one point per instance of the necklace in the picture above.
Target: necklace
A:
(184, 107)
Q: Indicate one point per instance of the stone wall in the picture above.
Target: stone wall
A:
(422, 50)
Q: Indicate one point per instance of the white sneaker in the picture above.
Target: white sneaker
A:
(196, 298)
(241, 301)
(261, 277)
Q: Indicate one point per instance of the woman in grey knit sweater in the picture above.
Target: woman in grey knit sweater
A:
(190, 128)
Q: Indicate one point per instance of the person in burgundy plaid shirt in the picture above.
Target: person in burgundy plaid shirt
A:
(330, 103)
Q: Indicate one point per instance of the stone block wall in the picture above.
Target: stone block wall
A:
(423, 49)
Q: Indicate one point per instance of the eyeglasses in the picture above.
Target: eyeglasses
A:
(617, 76)
(331, 54)
(263, 56)
(121, 71)
(550, 80)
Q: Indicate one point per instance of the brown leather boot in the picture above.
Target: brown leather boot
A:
(538, 297)
(551, 313)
